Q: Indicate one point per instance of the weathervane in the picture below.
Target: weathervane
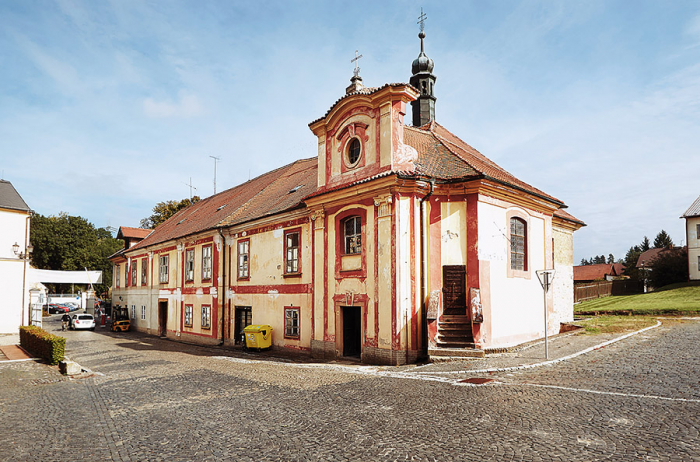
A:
(356, 72)
(421, 19)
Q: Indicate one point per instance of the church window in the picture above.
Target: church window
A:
(291, 251)
(243, 249)
(354, 150)
(189, 265)
(518, 247)
(352, 227)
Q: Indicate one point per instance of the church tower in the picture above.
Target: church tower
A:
(424, 80)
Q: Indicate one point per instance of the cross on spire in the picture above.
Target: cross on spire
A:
(421, 19)
(356, 72)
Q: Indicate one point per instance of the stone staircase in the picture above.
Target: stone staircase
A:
(454, 338)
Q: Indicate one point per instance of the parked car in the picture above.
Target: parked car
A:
(57, 309)
(82, 321)
(71, 305)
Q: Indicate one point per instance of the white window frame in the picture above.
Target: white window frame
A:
(243, 258)
(188, 315)
(134, 272)
(144, 271)
(164, 261)
(116, 273)
(189, 265)
(206, 316)
(133, 311)
(292, 322)
(143, 312)
(352, 243)
(291, 253)
(206, 262)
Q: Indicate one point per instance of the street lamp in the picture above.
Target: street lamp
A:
(22, 255)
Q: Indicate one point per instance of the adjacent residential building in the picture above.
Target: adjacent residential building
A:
(692, 237)
(598, 272)
(14, 254)
(392, 243)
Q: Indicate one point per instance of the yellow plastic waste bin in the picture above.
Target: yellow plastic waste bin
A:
(258, 336)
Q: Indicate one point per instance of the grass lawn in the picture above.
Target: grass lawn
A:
(676, 299)
(615, 324)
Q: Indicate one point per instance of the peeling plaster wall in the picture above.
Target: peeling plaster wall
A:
(453, 233)
(516, 311)
(563, 286)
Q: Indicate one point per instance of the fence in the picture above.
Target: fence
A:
(597, 289)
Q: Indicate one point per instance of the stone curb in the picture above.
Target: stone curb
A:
(545, 363)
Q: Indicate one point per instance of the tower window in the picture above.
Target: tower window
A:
(354, 151)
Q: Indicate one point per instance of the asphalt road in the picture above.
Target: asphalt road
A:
(149, 399)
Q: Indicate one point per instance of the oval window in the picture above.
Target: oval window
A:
(354, 151)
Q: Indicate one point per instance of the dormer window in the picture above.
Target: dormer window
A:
(354, 151)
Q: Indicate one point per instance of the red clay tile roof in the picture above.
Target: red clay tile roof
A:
(273, 192)
(436, 139)
(563, 214)
(132, 233)
(593, 272)
(648, 256)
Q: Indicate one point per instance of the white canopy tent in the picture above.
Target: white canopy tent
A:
(64, 277)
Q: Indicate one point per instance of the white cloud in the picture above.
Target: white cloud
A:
(186, 106)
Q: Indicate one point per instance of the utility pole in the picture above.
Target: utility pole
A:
(216, 159)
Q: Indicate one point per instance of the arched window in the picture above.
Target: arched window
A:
(352, 230)
(518, 244)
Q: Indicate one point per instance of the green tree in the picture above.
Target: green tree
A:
(630, 262)
(611, 259)
(669, 267)
(71, 243)
(662, 240)
(645, 245)
(164, 210)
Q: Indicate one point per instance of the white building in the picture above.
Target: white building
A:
(14, 264)
(692, 236)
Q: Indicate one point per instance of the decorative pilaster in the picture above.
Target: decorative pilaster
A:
(383, 203)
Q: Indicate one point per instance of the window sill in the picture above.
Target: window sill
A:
(291, 275)
(247, 278)
(290, 337)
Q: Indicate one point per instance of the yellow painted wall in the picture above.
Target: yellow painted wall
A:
(453, 233)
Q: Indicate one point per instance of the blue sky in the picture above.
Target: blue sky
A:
(108, 107)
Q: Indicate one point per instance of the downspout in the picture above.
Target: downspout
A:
(225, 286)
(424, 266)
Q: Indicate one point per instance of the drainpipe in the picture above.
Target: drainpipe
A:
(225, 286)
(424, 265)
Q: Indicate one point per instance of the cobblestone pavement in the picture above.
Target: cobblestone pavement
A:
(149, 399)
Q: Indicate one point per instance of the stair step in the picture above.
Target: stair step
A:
(454, 318)
(455, 352)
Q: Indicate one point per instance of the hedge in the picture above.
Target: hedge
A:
(42, 344)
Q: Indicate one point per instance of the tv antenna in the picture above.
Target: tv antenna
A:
(191, 187)
(216, 159)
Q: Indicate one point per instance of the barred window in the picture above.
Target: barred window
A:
(291, 322)
(206, 262)
(206, 317)
(164, 260)
(188, 315)
(353, 235)
(518, 247)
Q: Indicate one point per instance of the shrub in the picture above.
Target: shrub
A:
(669, 267)
(42, 344)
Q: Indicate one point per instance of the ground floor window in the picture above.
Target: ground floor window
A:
(291, 322)
(143, 312)
(206, 317)
(133, 311)
(188, 315)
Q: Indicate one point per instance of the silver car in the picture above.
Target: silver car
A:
(82, 321)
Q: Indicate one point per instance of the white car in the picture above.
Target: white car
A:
(82, 321)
